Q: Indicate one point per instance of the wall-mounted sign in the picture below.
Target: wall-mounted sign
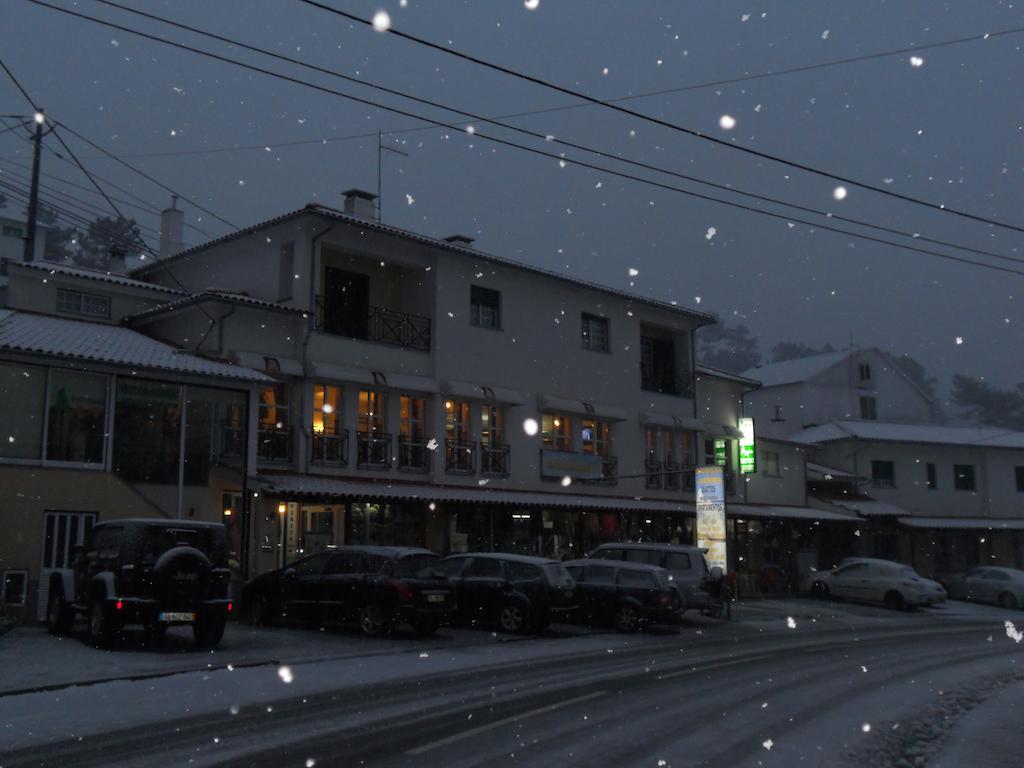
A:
(710, 482)
(748, 453)
(721, 458)
(578, 466)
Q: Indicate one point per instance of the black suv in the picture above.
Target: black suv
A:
(517, 592)
(625, 595)
(152, 572)
(378, 587)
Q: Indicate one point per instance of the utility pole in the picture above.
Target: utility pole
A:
(380, 164)
(33, 196)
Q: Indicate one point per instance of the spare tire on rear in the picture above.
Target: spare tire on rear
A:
(181, 577)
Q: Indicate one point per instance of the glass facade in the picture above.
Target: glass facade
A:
(147, 419)
(22, 392)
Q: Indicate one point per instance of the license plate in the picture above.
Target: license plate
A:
(181, 616)
(435, 598)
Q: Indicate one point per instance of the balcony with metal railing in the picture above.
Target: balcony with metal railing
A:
(413, 455)
(379, 324)
(330, 449)
(373, 450)
(670, 474)
(653, 470)
(689, 473)
(494, 460)
(274, 445)
(460, 457)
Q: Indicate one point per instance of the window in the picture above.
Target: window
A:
(637, 579)
(484, 568)
(456, 417)
(678, 561)
(373, 445)
(147, 418)
(771, 464)
(371, 412)
(883, 474)
(710, 458)
(492, 427)
(312, 566)
(652, 466)
(484, 307)
(657, 365)
(412, 447)
(22, 393)
(930, 481)
(15, 585)
(555, 433)
(594, 437)
(598, 574)
(963, 477)
(865, 371)
(286, 272)
(78, 303)
(1019, 472)
(594, 331)
(647, 556)
(868, 410)
(10, 231)
(76, 418)
(517, 571)
(275, 433)
(326, 409)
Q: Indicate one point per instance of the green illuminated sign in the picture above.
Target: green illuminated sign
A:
(720, 457)
(748, 452)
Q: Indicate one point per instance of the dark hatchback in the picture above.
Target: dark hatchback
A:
(517, 593)
(624, 595)
(376, 587)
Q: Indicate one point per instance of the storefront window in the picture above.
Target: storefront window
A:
(147, 419)
(22, 391)
(555, 434)
(400, 524)
(76, 423)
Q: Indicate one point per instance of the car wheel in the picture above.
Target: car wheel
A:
(627, 619)
(513, 617)
(208, 631)
(894, 601)
(59, 616)
(372, 620)
(101, 625)
(1007, 600)
(260, 612)
(820, 590)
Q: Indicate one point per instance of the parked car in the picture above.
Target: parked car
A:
(685, 563)
(376, 587)
(518, 593)
(152, 572)
(869, 580)
(624, 595)
(1000, 586)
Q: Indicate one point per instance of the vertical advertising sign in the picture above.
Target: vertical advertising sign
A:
(711, 514)
(748, 452)
(721, 457)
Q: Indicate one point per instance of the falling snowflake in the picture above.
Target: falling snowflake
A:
(381, 21)
(633, 271)
(470, 129)
(710, 233)
(531, 5)
(791, 622)
(1013, 633)
(424, 655)
(310, 762)
(432, 444)
(285, 673)
(566, 481)
(866, 728)
(839, 193)
(604, 71)
(530, 427)
(824, 35)
(959, 340)
(745, 17)
(727, 122)
(768, 744)
(697, 299)
(916, 61)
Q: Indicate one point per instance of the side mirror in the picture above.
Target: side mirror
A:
(716, 574)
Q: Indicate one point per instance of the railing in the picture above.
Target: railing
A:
(653, 469)
(373, 451)
(494, 459)
(689, 472)
(413, 455)
(609, 470)
(460, 457)
(381, 325)
(671, 475)
(665, 381)
(883, 482)
(330, 448)
(274, 444)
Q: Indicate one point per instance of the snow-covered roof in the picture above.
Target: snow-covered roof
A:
(718, 373)
(316, 209)
(210, 295)
(793, 371)
(52, 268)
(823, 472)
(82, 340)
(937, 434)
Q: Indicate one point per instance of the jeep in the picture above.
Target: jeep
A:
(150, 572)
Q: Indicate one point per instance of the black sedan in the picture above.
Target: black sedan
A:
(518, 593)
(624, 595)
(376, 587)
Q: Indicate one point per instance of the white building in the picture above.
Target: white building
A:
(12, 239)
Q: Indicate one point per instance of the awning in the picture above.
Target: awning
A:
(407, 382)
(722, 430)
(965, 523)
(343, 373)
(258, 361)
(789, 513)
(822, 472)
(870, 508)
(312, 487)
(403, 381)
(673, 422)
(564, 405)
(483, 392)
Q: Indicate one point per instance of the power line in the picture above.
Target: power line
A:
(541, 136)
(664, 123)
(9, 128)
(542, 153)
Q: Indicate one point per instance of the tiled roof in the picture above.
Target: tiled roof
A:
(332, 214)
(993, 437)
(210, 295)
(718, 373)
(792, 371)
(81, 340)
(52, 268)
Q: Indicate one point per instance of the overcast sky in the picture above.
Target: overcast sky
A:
(947, 131)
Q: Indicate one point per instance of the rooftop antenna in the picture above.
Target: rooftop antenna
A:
(381, 149)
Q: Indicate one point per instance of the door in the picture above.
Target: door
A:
(850, 581)
(300, 586)
(974, 584)
(62, 532)
(346, 303)
(340, 587)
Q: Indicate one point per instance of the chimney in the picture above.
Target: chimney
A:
(360, 203)
(463, 241)
(172, 230)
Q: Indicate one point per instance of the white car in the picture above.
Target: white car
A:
(885, 582)
(1000, 586)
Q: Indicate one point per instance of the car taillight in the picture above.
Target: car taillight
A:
(119, 605)
(231, 607)
(404, 593)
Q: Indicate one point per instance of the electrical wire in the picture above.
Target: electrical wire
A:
(664, 123)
